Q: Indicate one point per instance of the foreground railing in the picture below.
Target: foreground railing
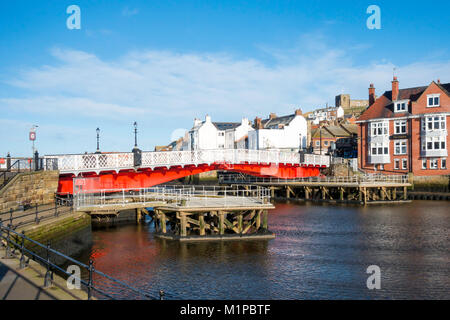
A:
(180, 196)
(74, 163)
(34, 214)
(14, 243)
(226, 179)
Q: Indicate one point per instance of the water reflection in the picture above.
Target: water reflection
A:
(321, 252)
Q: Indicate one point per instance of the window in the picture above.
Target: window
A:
(400, 147)
(221, 133)
(424, 163)
(434, 143)
(400, 127)
(379, 148)
(396, 164)
(381, 167)
(317, 143)
(401, 106)
(404, 164)
(379, 128)
(221, 146)
(433, 163)
(431, 123)
(443, 163)
(433, 100)
(325, 142)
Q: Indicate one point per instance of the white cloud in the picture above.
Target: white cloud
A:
(162, 82)
(167, 90)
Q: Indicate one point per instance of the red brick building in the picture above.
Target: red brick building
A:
(405, 130)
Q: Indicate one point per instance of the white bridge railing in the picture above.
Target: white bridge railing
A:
(96, 162)
(174, 196)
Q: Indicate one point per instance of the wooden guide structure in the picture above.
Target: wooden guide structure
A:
(197, 224)
(358, 190)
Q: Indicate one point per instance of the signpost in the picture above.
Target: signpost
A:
(32, 136)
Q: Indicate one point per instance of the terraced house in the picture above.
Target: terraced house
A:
(405, 130)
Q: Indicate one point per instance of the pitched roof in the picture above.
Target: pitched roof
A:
(383, 107)
(275, 122)
(226, 125)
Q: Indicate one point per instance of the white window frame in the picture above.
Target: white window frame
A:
(440, 140)
(434, 163)
(379, 128)
(404, 164)
(384, 148)
(402, 147)
(424, 164)
(433, 97)
(400, 125)
(432, 121)
(401, 106)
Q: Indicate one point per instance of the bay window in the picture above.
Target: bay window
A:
(380, 128)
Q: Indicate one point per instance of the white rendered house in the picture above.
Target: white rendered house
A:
(208, 135)
(285, 133)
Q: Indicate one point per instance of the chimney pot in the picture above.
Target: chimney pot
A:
(272, 116)
(298, 112)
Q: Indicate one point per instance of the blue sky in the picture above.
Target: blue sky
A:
(162, 63)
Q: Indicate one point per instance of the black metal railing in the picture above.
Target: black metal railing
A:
(34, 214)
(15, 243)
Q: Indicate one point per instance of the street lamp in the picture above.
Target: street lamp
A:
(137, 154)
(98, 140)
(135, 134)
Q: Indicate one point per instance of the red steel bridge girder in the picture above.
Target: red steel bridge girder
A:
(144, 178)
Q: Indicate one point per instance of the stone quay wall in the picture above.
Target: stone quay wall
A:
(31, 188)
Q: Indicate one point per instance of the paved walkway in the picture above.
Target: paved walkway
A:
(27, 284)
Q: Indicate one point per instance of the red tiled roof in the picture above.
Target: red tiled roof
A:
(383, 107)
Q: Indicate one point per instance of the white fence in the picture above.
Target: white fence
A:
(179, 196)
(76, 163)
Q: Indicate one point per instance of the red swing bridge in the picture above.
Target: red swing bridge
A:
(132, 170)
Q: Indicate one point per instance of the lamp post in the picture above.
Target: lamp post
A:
(135, 134)
(98, 140)
(137, 154)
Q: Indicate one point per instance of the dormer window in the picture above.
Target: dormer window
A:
(433, 100)
(401, 106)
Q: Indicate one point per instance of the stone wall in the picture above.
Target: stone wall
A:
(431, 183)
(29, 188)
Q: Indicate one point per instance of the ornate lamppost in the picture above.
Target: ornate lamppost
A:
(98, 140)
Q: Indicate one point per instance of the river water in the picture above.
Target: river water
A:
(320, 252)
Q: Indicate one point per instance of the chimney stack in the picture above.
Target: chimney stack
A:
(371, 94)
(439, 80)
(272, 116)
(394, 89)
(257, 123)
(298, 112)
